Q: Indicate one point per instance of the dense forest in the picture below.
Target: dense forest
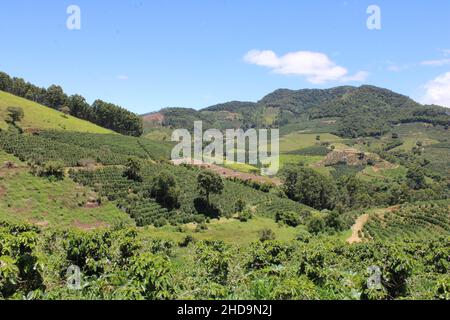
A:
(104, 114)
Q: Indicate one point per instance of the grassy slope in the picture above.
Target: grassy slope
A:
(231, 231)
(26, 198)
(298, 140)
(41, 117)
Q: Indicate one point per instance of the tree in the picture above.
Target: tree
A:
(5, 82)
(133, 170)
(15, 114)
(209, 182)
(56, 98)
(334, 222)
(316, 225)
(289, 218)
(65, 110)
(165, 190)
(416, 178)
(245, 215)
(309, 187)
(79, 107)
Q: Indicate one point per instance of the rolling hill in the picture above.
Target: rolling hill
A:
(37, 116)
(73, 193)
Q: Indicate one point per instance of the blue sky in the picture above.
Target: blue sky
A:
(150, 54)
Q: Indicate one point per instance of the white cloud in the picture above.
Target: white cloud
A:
(316, 67)
(436, 63)
(122, 77)
(438, 91)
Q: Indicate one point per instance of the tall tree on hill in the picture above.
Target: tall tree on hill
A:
(56, 98)
(79, 107)
(209, 182)
(15, 114)
(165, 190)
(5, 82)
(133, 170)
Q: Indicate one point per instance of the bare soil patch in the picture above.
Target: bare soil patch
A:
(154, 117)
(89, 226)
(357, 228)
(2, 192)
(363, 219)
(229, 173)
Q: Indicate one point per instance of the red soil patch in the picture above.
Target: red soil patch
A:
(42, 223)
(229, 173)
(2, 191)
(154, 117)
(33, 130)
(89, 226)
(91, 205)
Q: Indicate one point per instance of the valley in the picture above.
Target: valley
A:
(364, 180)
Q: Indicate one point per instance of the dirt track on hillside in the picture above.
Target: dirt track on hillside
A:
(229, 173)
(358, 226)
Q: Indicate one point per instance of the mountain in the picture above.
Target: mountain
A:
(356, 111)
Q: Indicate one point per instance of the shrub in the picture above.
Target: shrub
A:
(268, 253)
(245, 215)
(266, 235)
(303, 236)
(186, 241)
(151, 274)
(133, 170)
(240, 205)
(214, 258)
(316, 225)
(51, 169)
(289, 218)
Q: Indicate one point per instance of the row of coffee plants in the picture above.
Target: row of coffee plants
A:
(119, 264)
(422, 220)
(136, 198)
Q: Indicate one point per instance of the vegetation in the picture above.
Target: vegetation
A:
(39, 117)
(75, 148)
(117, 264)
(423, 220)
(360, 209)
(104, 114)
(350, 112)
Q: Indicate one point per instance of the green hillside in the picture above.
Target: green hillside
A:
(51, 204)
(37, 116)
(139, 227)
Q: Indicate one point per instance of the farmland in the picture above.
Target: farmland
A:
(115, 205)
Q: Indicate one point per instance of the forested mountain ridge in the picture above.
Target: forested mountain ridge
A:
(357, 111)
